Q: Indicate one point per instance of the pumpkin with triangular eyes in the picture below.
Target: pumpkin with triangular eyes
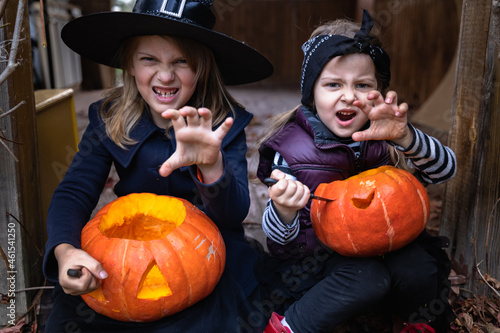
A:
(161, 253)
(375, 212)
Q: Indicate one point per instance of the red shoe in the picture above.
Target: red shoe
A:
(275, 325)
(417, 328)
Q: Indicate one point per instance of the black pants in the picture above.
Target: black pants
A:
(405, 279)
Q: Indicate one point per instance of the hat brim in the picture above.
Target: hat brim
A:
(99, 36)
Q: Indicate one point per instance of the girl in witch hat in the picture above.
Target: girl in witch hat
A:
(171, 129)
(346, 123)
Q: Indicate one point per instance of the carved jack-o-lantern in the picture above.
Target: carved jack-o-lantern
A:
(374, 212)
(162, 254)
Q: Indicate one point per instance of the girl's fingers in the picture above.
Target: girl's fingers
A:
(375, 96)
(402, 110)
(359, 136)
(359, 104)
(171, 114)
(221, 132)
(205, 117)
(391, 98)
(83, 284)
(302, 194)
(363, 107)
(191, 115)
(176, 118)
(278, 174)
(170, 165)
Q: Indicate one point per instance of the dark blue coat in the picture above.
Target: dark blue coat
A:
(226, 202)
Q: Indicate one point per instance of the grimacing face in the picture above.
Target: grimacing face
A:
(162, 74)
(343, 80)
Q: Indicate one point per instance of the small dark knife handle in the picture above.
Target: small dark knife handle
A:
(74, 272)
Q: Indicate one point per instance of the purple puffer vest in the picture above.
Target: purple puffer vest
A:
(315, 157)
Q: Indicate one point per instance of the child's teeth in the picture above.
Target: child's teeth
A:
(165, 94)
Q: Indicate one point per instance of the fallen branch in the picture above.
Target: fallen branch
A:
(35, 288)
(22, 319)
(497, 294)
(461, 321)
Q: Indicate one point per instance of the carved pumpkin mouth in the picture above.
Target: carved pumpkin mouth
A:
(142, 220)
(153, 284)
(363, 203)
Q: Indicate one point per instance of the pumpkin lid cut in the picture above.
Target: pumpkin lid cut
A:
(143, 218)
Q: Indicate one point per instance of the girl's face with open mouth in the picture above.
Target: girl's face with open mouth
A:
(343, 80)
(162, 75)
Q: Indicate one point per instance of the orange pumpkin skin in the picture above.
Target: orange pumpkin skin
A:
(172, 259)
(374, 212)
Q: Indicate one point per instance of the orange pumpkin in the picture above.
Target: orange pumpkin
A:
(162, 254)
(374, 212)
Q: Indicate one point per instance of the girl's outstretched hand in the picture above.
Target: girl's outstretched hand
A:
(196, 142)
(388, 120)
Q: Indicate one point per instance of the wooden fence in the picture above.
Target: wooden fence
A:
(470, 213)
(20, 206)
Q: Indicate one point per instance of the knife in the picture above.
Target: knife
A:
(271, 181)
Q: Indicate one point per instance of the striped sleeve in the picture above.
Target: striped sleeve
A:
(435, 162)
(272, 225)
(280, 164)
(276, 230)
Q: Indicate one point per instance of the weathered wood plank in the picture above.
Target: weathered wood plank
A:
(421, 38)
(278, 28)
(474, 136)
(20, 209)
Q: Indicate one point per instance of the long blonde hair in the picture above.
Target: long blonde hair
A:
(123, 106)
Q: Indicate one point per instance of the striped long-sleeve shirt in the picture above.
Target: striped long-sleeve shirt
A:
(434, 162)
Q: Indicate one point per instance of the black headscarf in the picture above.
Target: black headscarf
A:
(320, 49)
